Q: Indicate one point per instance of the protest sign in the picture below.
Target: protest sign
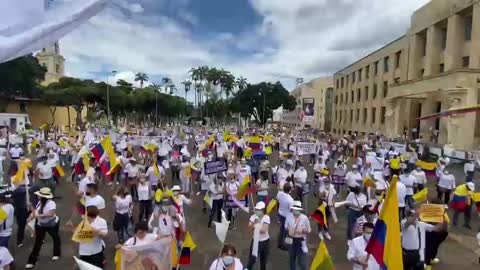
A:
(216, 166)
(432, 213)
(83, 233)
(307, 147)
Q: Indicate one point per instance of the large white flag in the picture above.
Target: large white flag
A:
(26, 26)
(82, 265)
(221, 229)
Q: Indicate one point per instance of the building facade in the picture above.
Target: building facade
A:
(53, 61)
(314, 105)
(434, 67)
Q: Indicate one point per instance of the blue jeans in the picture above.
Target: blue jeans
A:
(351, 220)
(4, 241)
(297, 255)
(283, 231)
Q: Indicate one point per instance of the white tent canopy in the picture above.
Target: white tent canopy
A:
(26, 26)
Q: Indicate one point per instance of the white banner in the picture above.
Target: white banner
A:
(307, 147)
(157, 255)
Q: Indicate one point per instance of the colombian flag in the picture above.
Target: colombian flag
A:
(187, 248)
(244, 189)
(428, 167)
(320, 215)
(98, 151)
(82, 165)
(322, 260)
(58, 171)
(385, 243)
(460, 198)
(476, 199)
(255, 143)
(271, 205)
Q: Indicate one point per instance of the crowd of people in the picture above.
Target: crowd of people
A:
(155, 178)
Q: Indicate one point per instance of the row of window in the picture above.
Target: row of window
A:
(342, 116)
(344, 81)
(366, 94)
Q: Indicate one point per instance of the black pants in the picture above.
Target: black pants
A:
(40, 236)
(282, 232)
(263, 251)
(175, 174)
(432, 243)
(394, 172)
(467, 213)
(440, 193)
(145, 209)
(21, 215)
(216, 211)
(95, 259)
(411, 260)
(120, 225)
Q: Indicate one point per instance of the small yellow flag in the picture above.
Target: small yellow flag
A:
(271, 205)
(3, 214)
(188, 243)
(118, 259)
(83, 233)
(421, 196)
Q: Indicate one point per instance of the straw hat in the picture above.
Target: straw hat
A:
(44, 193)
(176, 188)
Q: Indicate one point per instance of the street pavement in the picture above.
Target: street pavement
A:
(457, 252)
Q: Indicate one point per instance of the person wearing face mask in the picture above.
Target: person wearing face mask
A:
(340, 170)
(185, 175)
(298, 227)
(355, 202)
(356, 250)
(261, 186)
(228, 260)
(216, 191)
(368, 217)
(46, 222)
(461, 203)
(259, 221)
(92, 252)
(164, 217)
(144, 198)
(285, 202)
(92, 197)
(446, 185)
(231, 189)
(409, 181)
(180, 199)
(123, 209)
(133, 171)
(44, 173)
(354, 178)
(300, 179)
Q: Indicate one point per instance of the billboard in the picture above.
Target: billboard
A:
(308, 111)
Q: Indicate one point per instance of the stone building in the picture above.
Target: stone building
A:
(318, 93)
(434, 67)
(53, 61)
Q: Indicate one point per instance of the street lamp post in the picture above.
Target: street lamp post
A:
(108, 95)
(156, 109)
(264, 110)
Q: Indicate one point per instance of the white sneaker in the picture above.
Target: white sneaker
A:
(435, 261)
(327, 235)
(55, 258)
(19, 245)
(320, 235)
(29, 266)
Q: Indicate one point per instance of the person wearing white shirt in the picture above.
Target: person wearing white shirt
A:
(180, 199)
(262, 188)
(469, 169)
(216, 191)
(409, 181)
(281, 175)
(133, 171)
(420, 178)
(184, 176)
(92, 252)
(44, 172)
(298, 227)
(6, 226)
(166, 216)
(142, 236)
(92, 197)
(152, 178)
(123, 209)
(285, 202)
(228, 260)
(260, 221)
(355, 202)
(354, 178)
(144, 198)
(6, 259)
(401, 193)
(445, 185)
(356, 251)
(413, 240)
(300, 178)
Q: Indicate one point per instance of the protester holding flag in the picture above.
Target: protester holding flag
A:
(46, 222)
(155, 175)
(227, 260)
(260, 222)
(461, 203)
(298, 227)
(92, 251)
(261, 186)
(123, 209)
(7, 214)
(357, 253)
(355, 202)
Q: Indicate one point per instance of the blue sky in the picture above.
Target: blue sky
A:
(262, 40)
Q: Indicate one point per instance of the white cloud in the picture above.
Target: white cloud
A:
(306, 38)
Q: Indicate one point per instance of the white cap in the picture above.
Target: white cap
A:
(290, 162)
(297, 205)
(471, 186)
(260, 206)
(176, 188)
(354, 166)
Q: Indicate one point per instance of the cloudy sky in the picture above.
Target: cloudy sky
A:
(272, 40)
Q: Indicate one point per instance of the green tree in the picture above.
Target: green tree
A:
(20, 77)
(241, 83)
(186, 86)
(259, 101)
(142, 78)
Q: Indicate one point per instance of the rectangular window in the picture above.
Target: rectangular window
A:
(386, 61)
(367, 72)
(366, 92)
(468, 28)
(384, 110)
(422, 72)
(375, 68)
(360, 75)
(353, 77)
(374, 112)
(442, 68)
(342, 82)
(353, 97)
(359, 94)
(385, 89)
(348, 77)
(57, 68)
(351, 116)
(365, 115)
(340, 116)
(346, 97)
(443, 37)
(357, 116)
(398, 57)
(336, 99)
(396, 80)
(374, 91)
(338, 84)
(466, 61)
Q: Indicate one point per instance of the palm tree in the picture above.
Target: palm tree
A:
(142, 78)
(227, 83)
(241, 83)
(186, 86)
(167, 83)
